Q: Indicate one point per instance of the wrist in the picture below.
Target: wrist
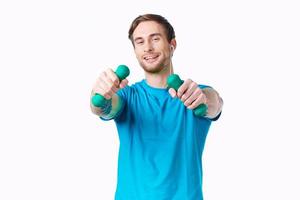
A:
(214, 103)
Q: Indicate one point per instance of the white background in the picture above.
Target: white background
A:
(51, 52)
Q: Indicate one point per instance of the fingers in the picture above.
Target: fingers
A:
(112, 77)
(199, 100)
(191, 88)
(123, 83)
(183, 87)
(190, 94)
(98, 89)
(172, 92)
(107, 84)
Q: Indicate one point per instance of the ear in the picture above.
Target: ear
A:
(173, 44)
(172, 47)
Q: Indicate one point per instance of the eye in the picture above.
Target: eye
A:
(139, 42)
(156, 38)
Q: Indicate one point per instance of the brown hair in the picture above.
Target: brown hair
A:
(170, 33)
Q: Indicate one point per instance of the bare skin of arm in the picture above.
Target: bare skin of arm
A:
(192, 96)
(107, 84)
(110, 110)
(214, 102)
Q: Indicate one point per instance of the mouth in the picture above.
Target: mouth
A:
(150, 58)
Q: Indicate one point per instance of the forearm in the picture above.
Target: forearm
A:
(214, 102)
(110, 109)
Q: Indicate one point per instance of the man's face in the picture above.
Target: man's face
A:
(151, 46)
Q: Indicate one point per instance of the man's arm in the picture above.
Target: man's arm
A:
(192, 96)
(107, 85)
(110, 109)
(213, 101)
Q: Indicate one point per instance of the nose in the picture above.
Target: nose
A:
(148, 47)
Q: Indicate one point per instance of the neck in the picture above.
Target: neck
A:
(159, 80)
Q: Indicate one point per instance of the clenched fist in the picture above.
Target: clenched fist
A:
(190, 94)
(107, 84)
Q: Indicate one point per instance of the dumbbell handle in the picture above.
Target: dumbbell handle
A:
(175, 82)
(122, 72)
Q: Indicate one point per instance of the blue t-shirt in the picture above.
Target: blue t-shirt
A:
(161, 145)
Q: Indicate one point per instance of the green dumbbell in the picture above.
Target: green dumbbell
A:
(175, 82)
(122, 72)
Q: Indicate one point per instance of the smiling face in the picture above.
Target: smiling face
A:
(151, 46)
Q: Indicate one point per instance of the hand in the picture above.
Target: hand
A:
(190, 94)
(107, 84)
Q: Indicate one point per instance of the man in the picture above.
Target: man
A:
(161, 140)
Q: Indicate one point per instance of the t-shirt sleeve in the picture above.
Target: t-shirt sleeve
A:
(204, 86)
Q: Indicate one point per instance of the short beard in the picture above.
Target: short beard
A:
(155, 70)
